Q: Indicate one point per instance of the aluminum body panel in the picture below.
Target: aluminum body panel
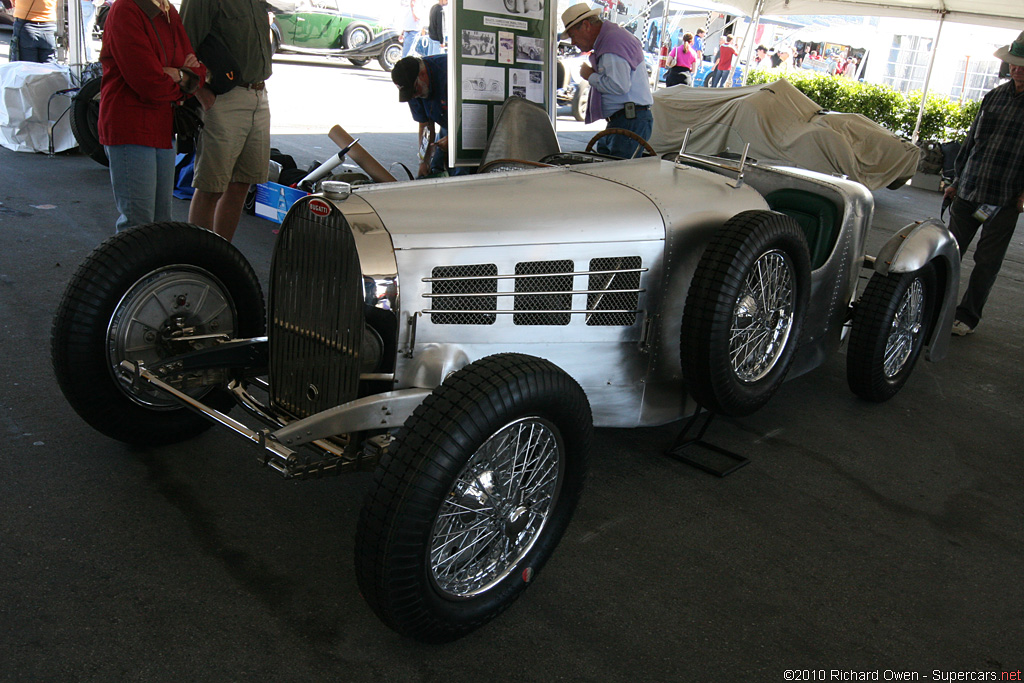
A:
(564, 205)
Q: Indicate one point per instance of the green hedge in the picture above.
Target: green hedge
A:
(943, 120)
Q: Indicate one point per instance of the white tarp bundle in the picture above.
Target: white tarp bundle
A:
(782, 125)
(25, 91)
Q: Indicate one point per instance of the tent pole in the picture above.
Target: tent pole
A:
(927, 79)
(666, 37)
(748, 43)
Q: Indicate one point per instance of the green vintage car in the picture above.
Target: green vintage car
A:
(325, 26)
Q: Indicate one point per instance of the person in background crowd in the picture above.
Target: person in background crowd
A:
(761, 57)
(723, 66)
(988, 189)
(698, 44)
(619, 91)
(423, 83)
(681, 61)
(148, 64)
(33, 38)
(782, 59)
(411, 27)
(234, 149)
(436, 28)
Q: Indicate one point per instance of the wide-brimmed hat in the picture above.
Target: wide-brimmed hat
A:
(404, 75)
(1014, 52)
(575, 15)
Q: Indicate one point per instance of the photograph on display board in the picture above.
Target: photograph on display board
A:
(506, 47)
(528, 84)
(530, 50)
(530, 9)
(483, 83)
(477, 45)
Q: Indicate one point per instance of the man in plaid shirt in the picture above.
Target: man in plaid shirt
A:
(990, 177)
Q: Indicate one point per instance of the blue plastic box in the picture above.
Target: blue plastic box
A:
(273, 200)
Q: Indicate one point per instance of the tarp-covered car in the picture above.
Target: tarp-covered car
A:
(461, 336)
(785, 126)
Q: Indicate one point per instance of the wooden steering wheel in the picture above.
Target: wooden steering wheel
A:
(622, 131)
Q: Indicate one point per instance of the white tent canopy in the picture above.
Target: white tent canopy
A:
(1000, 13)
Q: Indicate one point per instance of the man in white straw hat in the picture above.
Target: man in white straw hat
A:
(617, 75)
(989, 185)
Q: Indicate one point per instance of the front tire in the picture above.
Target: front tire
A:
(580, 101)
(132, 299)
(473, 496)
(890, 323)
(744, 312)
(85, 116)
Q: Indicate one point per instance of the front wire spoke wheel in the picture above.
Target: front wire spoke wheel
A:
(891, 321)
(497, 508)
(906, 326)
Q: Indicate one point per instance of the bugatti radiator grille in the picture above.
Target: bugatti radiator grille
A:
(316, 314)
(541, 293)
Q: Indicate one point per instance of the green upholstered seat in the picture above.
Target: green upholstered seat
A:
(818, 217)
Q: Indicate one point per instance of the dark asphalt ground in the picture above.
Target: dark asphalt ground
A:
(861, 537)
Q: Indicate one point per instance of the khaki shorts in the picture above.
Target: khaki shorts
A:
(235, 143)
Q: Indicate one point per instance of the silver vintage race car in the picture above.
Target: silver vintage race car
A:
(463, 336)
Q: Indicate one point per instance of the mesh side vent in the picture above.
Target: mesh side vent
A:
(474, 310)
(556, 296)
(604, 299)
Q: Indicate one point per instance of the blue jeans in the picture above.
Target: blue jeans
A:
(37, 41)
(719, 77)
(143, 180)
(621, 146)
(409, 39)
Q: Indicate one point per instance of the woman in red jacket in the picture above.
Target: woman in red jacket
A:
(148, 64)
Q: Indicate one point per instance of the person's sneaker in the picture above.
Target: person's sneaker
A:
(961, 329)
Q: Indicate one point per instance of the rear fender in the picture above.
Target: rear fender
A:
(915, 246)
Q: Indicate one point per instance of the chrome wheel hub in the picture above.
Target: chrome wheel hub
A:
(906, 327)
(497, 509)
(762, 317)
(170, 311)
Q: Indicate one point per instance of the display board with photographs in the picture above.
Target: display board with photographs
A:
(499, 49)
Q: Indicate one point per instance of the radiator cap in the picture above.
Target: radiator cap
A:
(336, 189)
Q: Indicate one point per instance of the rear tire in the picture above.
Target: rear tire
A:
(126, 301)
(744, 312)
(356, 35)
(890, 323)
(390, 56)
(473, 496)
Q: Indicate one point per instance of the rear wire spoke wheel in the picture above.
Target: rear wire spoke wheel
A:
(473, 496)
(763, 317)
(891, 322)
(744, 312)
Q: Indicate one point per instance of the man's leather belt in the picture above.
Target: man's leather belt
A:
(259, 85)
(639, 107)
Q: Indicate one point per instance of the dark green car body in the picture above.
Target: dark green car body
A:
(326, 25)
